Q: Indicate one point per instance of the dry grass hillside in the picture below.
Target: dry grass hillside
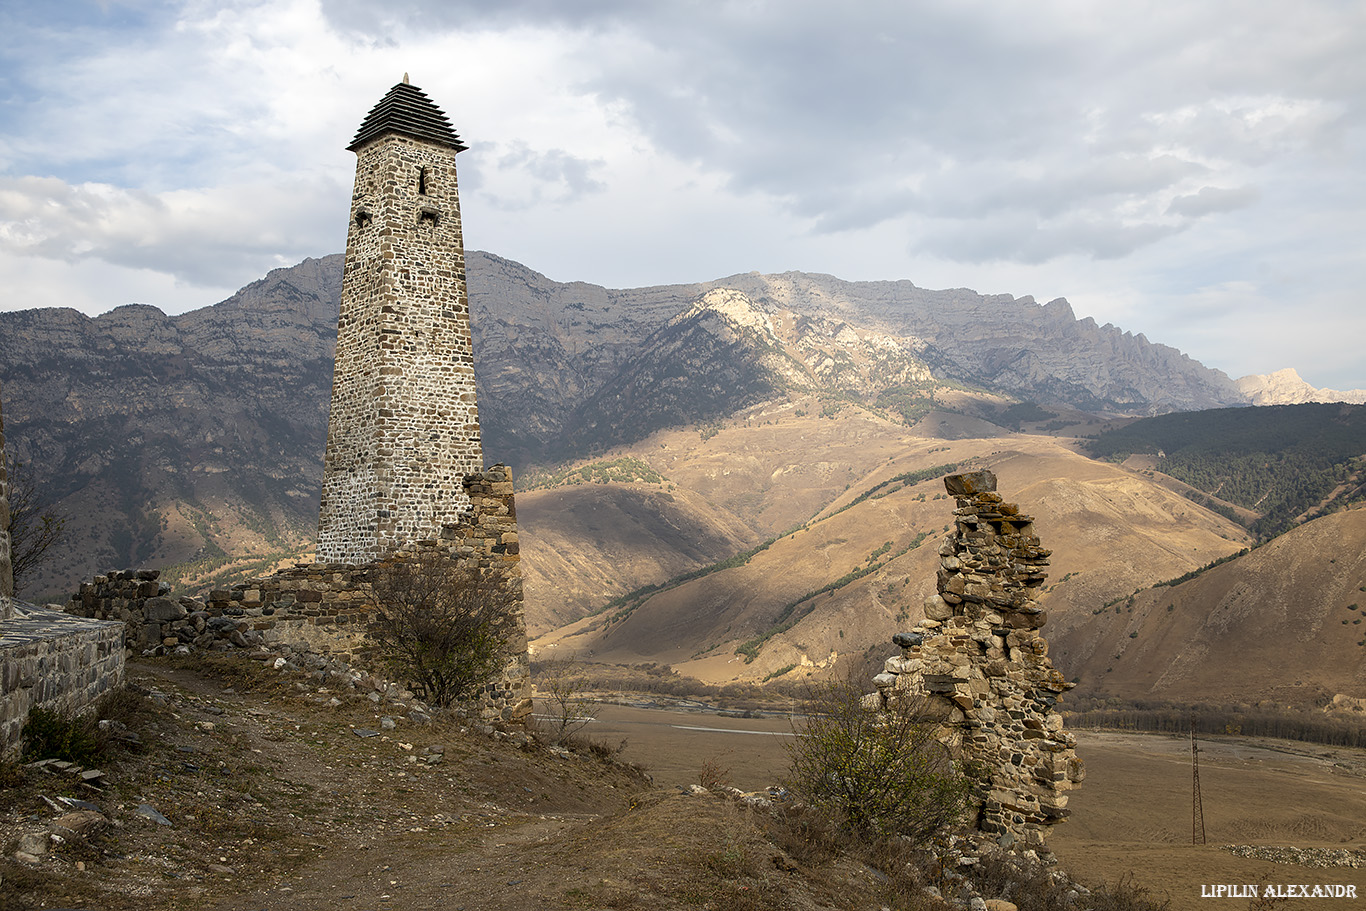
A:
(862, 557)
(583, 545)
(1282, 623)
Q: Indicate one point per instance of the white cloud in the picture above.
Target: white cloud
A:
(1141, 160)
(173, 231)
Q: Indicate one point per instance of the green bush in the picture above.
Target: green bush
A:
(53, 734)
(77, 737)
(875, 774)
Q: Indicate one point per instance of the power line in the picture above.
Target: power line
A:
(1197, 809)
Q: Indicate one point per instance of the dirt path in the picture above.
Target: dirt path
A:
(286, 791)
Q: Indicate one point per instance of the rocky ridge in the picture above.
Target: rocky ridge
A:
(200, 435)
(1285, 387)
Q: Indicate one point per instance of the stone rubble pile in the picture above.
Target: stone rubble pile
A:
(978, 664)
(1321, 858)
(157, 624)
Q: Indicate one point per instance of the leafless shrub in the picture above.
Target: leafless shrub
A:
(35, 526)
(439, 625)
(879, 774)
(565, 708)
(714, 773)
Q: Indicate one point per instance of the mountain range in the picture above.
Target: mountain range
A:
(772, 441)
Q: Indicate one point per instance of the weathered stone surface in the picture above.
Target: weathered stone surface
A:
(53, 660)
(936, 608)
(978, 661)
(150, 812)
(163, 609)
(6, 567)
(908, 640)
(403, 428)
(79, 823)
(971, 483)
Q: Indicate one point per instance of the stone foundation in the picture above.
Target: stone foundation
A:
(979, 660)
(54, 661)
(327, 608)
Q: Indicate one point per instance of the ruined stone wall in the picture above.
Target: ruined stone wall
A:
(403, 429)
(6, 567)
(53, 661)
(155, 623)
(979, 660)
(327, 608)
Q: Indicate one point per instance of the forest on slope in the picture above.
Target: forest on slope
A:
(1288, 463)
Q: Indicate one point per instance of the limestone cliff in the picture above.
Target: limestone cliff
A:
(1285, 387)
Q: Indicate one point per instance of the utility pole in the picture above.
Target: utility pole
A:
(1197, 810)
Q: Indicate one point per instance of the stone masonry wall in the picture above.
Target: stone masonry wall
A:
(326, 608)
(6, 567)
(53, 661)
(403, 428)
(979, 660)
(154, 623)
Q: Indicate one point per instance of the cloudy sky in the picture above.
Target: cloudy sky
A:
(1195, 171)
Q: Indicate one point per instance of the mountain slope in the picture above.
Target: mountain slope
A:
(1285, 387)
(1041, 352)
(1280, 463)
(860, 569)
(1283, 622)
(168, 438)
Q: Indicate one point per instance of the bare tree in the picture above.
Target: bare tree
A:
(35, 526)
(440, 626)
(560, 683)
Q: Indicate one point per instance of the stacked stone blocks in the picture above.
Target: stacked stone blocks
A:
(53, 661)
(979, 663)
(403, 428)
(6, 567)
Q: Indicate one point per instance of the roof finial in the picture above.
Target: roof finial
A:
(405, 79)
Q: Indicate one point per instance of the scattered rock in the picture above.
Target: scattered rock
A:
(151, 812)
(33, 843)
(79, 823)
(1320, 858)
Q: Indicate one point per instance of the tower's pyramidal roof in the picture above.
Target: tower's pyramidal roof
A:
(408, 111)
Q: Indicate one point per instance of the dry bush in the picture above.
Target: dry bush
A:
(714, 773)
(78, 736)
(439, 625)
(566, 709)
(1031, 887)
(35, 527)
(879, 774)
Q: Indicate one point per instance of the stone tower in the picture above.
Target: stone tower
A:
(6, 568)
(403, 430)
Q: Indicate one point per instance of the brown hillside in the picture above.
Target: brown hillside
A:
(1282, 623)
(584, 545)
(1111, 531)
